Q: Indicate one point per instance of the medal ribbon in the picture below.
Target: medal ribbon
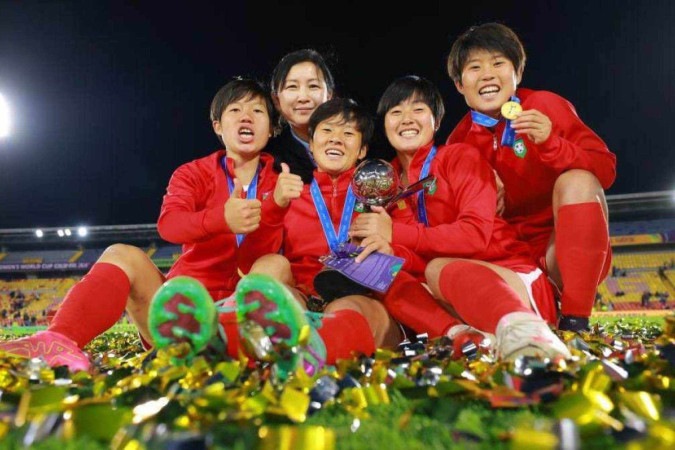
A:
(509, 134)
(421, 207)
(334, 240)
(251, 193)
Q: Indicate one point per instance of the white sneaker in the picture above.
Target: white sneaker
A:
(526, 334)
(456, 330)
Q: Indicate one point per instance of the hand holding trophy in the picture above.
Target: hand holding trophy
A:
(375, 184)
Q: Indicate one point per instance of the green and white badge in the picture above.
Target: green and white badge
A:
(519, 148)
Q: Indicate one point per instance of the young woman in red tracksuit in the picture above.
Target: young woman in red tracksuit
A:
(206, 209)
(339, 135)
(341, 131)
(473, 258)
(553, 166)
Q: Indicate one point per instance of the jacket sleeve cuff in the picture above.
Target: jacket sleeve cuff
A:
(273, 214)
(551, 144)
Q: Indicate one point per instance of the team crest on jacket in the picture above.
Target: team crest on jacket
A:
(265, 195)
(430, 186)
(519, 148)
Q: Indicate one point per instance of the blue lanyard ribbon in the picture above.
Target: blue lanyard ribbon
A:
(509, 134)
(421, 207)
(251, 193)
(334, 240)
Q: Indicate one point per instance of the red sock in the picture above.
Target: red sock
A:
(478, 294)
(412, 305)
(345, 332)
(231, 327)
(581, 241)
(93, 305)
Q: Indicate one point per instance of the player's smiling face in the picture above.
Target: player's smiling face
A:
(337, 145)
(488, 81)
(244, 127)
(409, 125)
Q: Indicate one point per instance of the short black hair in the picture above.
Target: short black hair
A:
(237, 89)
(412, 87)
(349, 111)
(286, 63)
(493, 37)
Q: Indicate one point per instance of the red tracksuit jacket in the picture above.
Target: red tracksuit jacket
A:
(461, 209)
(530, 172)
(297, 230)
(193, 214)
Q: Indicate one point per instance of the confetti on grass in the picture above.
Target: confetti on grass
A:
(616, 391)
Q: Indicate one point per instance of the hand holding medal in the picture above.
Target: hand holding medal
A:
(511, 110)
(534, 124)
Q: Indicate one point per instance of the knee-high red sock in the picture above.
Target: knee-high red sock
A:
(581, 241)
(411, 304)
(343, 332)
(478, 294)
(93, 305)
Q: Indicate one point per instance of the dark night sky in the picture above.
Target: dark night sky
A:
(108, 99)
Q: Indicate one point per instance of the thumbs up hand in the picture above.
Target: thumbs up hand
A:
(242, 215)
(289, 186)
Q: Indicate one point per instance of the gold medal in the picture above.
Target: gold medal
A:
(510, 110)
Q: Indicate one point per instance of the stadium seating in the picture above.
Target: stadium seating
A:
(636, 270)
(90, 255)
(37, 296)
(641, 227)
(166, 255)
(635, 273)
(643, 260)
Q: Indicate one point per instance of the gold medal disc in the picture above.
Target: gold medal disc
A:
(510, 110)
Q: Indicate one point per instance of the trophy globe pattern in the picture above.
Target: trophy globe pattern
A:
(374, 183)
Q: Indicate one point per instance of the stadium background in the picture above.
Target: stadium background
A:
(36, 272)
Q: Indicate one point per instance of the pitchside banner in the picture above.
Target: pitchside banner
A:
(641, 239)
(24, 267)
